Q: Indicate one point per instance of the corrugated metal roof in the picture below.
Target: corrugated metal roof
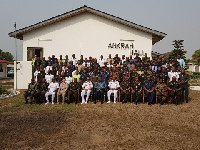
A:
(5, 61)
(157, 36)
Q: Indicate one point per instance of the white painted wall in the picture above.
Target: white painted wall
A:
(24, 74)
(85, 34)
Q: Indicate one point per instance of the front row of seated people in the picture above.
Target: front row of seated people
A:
(101, 89)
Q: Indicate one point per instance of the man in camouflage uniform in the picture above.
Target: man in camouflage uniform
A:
(136, 90)
(30, 92)
(175, 90)
(125, 89)
(161, 89)
(73, 90)
(184, 78)
(62, 91)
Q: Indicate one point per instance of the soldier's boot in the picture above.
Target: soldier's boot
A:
(76, 102)
(101, 101)
(26, 101)
(31, 101)
(95, 101)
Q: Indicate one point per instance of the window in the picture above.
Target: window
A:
(32, 51)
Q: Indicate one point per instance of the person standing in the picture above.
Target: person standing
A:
(181, 61)
(184, 78)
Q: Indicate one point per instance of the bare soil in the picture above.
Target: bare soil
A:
(107, 126)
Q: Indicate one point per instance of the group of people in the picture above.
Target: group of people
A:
(126, 77)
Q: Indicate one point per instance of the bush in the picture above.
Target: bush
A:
(3, 90)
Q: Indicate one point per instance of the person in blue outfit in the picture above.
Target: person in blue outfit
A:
(149, 89)
(105, 76)
(99, 90)
(83, 77)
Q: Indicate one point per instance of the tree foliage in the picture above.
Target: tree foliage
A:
(6, 56)
(178, 49)
(196, 54)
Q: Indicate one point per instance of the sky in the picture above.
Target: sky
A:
(179, 19)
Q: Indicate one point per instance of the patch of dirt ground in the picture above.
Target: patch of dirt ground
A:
(108, 126)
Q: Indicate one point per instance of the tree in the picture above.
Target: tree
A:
(196, 54)
(178, 49)
(6, 56)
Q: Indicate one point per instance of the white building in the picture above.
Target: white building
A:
(84, 31)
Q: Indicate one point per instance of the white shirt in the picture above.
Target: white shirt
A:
(74, 61)
(172, 74)
(113, 84)
(101, 62)
(47, 69)
(87, 85)
(35, 74)
(68, 80)
(49, 78)
(88, 64)
(53, 86)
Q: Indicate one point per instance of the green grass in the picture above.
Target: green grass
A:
(18, 103)
(19, 106)
(7, 109)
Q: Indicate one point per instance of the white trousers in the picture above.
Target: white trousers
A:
(83, 93)
(50, 93)
(115, 94)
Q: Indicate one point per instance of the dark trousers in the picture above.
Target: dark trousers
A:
(136, 96)
(27, 94)
(39, 97)
(99, 95)
(149, 96)
(185, 90)
(125, 96)
(71, 94)
(175, 96)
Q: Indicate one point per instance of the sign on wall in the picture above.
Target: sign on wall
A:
(124, 46)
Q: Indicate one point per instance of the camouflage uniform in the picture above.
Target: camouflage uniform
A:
(137, 93)
(163, 91)
(73, 86)
(62, 91)
(30, 92)
(184, 87)
(125, 95)
(175, 95)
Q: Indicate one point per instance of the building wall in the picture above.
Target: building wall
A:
(3, 74)
(24, 74)
(86, 34)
